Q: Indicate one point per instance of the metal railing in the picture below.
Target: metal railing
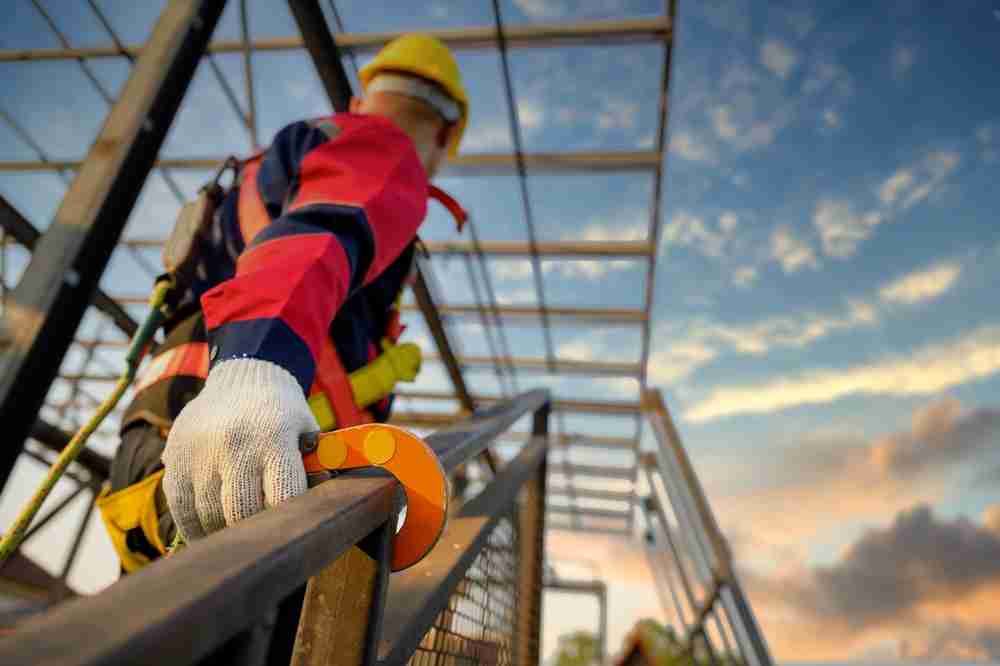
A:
(715, 621)
(242, 597)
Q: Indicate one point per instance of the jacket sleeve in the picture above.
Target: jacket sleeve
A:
(350, 203)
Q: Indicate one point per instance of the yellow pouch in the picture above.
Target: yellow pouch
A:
(128, 509)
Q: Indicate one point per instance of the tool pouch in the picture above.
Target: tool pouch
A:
(132, 518)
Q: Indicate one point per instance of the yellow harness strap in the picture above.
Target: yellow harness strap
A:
(127, 509)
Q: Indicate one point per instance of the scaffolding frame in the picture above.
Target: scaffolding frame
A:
(63, 275)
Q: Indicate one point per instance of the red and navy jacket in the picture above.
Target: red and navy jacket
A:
(313, 244)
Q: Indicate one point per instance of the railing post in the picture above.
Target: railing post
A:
(341, 621)
(531, 528)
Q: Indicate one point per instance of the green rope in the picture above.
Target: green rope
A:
(140, 341)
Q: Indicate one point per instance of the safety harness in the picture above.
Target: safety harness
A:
(176, 374)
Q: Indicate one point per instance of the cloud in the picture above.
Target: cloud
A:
(691, 148)
(587, 269)
(744, 276)
(710, 240)
(486, 136)
(530, 114)
(677, 361)
(941, 434)
(912, 185)
(620, 231)
(778, 58)
(791, 252)
(923, 584)
(903, 58)
(831, 118)
(618, 114)
(925, 371)
(986, 137)
(702, 342)
(891, 188)
(840, 228)
(923, 285)
(742, 133)
(511, 269)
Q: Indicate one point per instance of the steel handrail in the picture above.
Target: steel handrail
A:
(181, 608)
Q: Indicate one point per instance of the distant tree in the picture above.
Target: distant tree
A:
(577, 649)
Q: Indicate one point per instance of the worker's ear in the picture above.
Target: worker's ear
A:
(444, 135)
(355, 105)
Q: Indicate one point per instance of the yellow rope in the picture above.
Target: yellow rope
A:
(158, 311)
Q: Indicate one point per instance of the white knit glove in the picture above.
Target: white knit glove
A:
(234, 449)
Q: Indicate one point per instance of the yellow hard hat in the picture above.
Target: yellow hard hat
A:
(428, 58)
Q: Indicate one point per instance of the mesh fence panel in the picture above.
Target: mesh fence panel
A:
(480, 622)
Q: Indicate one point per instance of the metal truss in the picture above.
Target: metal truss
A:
(42, 312)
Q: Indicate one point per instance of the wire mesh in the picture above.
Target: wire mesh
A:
(480, 622)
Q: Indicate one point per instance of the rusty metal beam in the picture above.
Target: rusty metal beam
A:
(591, 32)
(469, 164)
(25, 233)
(587, 406)
(45, 309)
(594, 315)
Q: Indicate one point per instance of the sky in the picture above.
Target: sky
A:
(824, 324)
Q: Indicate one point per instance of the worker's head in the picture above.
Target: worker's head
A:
(415, 82)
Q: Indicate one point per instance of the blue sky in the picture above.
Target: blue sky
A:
(824, 308)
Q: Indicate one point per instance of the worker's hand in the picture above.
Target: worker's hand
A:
(234, 449)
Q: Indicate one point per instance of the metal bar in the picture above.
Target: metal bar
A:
(74, 548)
(486, 322)
(436, 326)
(229, 581)
(522, 180)
(248, 75)
(466, 164)
(418, 594)
(477, 38)
(739, 611)
(601, 315)
(655, 203)
(588, 513)
(63, 503)
(324, 51)
(588, 530)
(574, 439)
(601, 471)
(561, 365)
(608, 407)
(587, 493)
(653, 505)
(471, 437)
(342, 612)
(545, 248)
(25, 233)
(492, 299)
(531, 541)
(52, 296)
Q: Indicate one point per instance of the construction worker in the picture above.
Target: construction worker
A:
(292, 323)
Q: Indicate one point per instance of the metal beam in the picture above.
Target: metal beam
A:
(591, 32)
(585, 406)
(55, 439)
(589, 513)
(599, 471)
(25, 233)
(540, 365)
(45, 309)
(588, 493)
(595, 315)
(544, 248)
(468, 164)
